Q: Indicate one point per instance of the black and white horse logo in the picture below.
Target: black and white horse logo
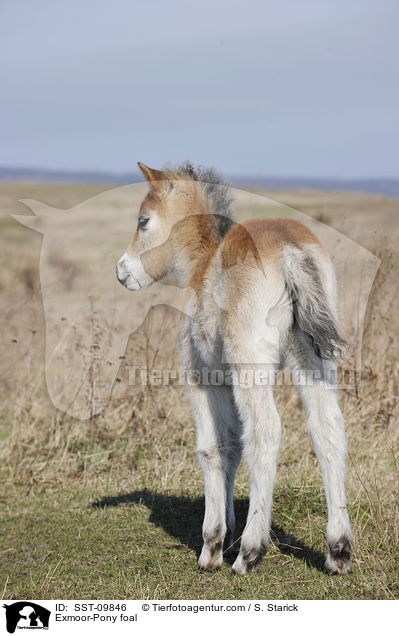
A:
(26, 615)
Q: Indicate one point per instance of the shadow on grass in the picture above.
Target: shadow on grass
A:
(181, 517)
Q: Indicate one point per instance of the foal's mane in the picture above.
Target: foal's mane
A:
(216, 190)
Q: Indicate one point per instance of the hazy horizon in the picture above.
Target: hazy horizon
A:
(135, 173)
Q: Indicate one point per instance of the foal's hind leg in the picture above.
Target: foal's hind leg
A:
(261, 441)
(219, 455)
(232, 458)
(327, 432)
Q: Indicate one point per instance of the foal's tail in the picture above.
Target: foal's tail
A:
(311, 286)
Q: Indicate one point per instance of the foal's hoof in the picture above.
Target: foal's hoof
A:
(339, 557)
(210, 560)
(240, 566)
(247, 561)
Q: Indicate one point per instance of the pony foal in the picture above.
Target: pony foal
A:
(265, 299)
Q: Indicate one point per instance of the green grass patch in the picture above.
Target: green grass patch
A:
(145, 544)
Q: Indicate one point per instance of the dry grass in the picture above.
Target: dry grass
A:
(111, 507)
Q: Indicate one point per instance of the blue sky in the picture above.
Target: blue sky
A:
(288, 88)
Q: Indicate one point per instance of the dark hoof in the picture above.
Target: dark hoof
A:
(248, 560)
(211, 557)
(339, 557)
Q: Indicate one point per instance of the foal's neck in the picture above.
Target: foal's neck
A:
(199, 239)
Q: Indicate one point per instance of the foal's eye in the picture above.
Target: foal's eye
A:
(143, 220)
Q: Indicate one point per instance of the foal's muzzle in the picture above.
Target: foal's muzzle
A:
(125, 276)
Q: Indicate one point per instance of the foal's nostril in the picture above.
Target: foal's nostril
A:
(121, 274)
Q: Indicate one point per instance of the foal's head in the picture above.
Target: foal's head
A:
(184, 214)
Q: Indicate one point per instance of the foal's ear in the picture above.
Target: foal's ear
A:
(153, 176)
(150, 174)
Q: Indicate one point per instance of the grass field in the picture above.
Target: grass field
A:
(112, 507)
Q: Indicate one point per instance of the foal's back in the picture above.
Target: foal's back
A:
(265, 238)
(276, 275)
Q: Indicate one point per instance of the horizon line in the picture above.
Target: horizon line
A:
(119, 174)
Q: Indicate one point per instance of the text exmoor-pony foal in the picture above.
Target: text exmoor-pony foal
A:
(265, 298)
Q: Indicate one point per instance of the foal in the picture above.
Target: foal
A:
(265, 299)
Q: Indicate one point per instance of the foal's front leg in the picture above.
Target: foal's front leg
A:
(212, 407)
